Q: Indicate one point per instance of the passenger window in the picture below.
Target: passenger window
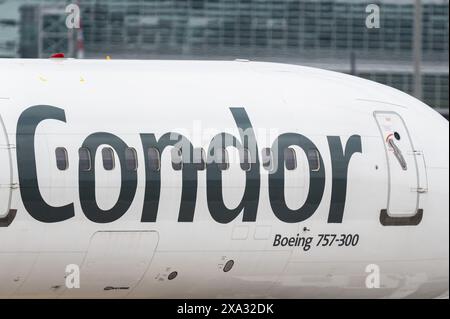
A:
(131, 161)
(314, 160)
(85, 159)
(62, 159)
(222, 159)
(290, 159)
(199, 159)
(246, 160)
(267, 157)
(154, 159)
(177, 159)
(108, 158)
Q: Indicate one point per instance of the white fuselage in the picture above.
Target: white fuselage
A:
(368, 194)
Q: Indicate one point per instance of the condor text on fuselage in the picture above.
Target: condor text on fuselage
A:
(248, 207)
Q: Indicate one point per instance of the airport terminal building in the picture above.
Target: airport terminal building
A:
(323, 33)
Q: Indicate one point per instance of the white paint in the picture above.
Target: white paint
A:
(127, 98)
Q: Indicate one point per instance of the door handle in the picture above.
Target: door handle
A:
(397, 152)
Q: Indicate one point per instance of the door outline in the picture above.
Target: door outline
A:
(130, 289)
(385, 218)
(7, 216)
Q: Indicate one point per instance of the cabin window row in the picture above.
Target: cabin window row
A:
(85, 159)
(199, 159)
(290, 159)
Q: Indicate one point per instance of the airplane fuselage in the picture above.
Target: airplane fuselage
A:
(217, 179)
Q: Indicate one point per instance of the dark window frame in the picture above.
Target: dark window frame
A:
(109, 164)
(267, 158)
(87, 160)
(177, 158)
(316, 159)
(246, 163)
(290, 159)
(59, 160)
(199, 165)
(134, 159)
(154, 163)
(223, 163)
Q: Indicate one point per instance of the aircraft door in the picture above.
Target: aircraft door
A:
(116, 261)
(403, 170)
(5, 173)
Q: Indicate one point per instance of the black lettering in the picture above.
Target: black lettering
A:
(87, 181)
(26, 164)
(250, 200)
(153, 178)
(276, 181)
(340, 162)
(276, 241)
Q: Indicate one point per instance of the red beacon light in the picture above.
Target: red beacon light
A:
(57, 56)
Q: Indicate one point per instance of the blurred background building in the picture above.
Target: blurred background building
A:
(329, 34)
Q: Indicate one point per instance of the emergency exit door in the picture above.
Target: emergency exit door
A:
(5, 173)
(403, 169)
